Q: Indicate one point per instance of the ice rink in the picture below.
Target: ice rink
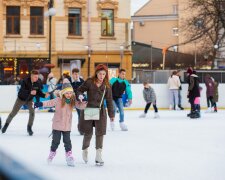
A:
(173, 147)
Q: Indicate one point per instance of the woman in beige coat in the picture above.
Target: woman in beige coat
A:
(95, 87)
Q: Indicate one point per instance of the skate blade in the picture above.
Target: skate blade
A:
(71, 165)
(99, 163)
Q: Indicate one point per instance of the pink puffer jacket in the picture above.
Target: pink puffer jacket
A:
(62, 119)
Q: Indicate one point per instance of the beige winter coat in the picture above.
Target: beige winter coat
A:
(62, 119)
(174, 82)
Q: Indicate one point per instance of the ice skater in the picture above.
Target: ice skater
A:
(30, 87)
(98, 89)
(210, 88)
(216, 95)
(76, 82)
(150, 98)
(119, 86)
(194, 95)
(62, 121)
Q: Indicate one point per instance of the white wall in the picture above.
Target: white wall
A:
(8, 95)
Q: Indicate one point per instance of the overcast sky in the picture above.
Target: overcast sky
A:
(137, 4)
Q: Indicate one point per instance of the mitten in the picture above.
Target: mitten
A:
(38, 104)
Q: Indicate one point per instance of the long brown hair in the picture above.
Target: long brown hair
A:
(101, 67)
(72, 101)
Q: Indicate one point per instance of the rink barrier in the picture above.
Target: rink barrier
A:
(138, 103)
(13, 170)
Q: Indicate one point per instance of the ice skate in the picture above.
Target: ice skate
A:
(5, 127)
(98, 158)
(209, 110)
(29, 130)
(142, 115)
(177, 108)
(85, 155)
(156, 115)
(51, 156)
(123, 126)
(112, 125)
(69, 158)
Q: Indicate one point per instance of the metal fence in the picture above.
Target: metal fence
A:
(161, 76)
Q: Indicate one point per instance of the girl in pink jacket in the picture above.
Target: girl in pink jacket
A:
(62, 121)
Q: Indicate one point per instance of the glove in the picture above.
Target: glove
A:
(112, 125)
(38, 104)
(81, 97)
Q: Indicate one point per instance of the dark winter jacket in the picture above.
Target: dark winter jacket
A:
(94, 95)
(193, 89)
(77, 84)
(27, 86)
(149, 95)
(209, 86)
(119, 86)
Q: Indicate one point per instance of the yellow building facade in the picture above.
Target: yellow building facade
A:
(84, 33)
(159, 23)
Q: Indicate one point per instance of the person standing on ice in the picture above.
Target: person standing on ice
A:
(119, 86)
(150, 98)
(76, 82)
(174, 85)
(210, 88)
(97, 88)
(30, 87)
(62, 121)
(194, 95)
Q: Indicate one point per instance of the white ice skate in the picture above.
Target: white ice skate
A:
(112, 125)
(123, 126)
(142, 115)
(85, 155)
(51, 156)
(177, 108)
(156, 115)
(69, 158)
(209, 110)
(98, 158)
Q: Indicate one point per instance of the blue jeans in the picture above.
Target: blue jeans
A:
(118, 103)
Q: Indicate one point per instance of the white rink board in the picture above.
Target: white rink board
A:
(8, 95)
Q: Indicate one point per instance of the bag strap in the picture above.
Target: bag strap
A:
(102, 98)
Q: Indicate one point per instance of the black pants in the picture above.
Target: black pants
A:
(210, 101)
(148, 106)
(56, 137)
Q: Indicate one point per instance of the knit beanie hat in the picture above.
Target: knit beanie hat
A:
(189, 71)
(66, 87)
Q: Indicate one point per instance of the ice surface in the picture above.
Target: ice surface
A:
(173, 147)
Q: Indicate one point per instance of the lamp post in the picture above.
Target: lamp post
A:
(89, 58)
(121, 55)
(51, 12)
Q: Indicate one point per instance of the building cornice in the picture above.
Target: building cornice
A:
(107, 4)
(155, 17)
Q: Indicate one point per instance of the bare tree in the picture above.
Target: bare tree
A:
(205, 25)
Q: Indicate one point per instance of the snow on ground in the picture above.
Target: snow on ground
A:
(173, 147)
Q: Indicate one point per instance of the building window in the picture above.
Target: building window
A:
(13, 20)
(175, 9)
(75, 22)
(175, 31)
(36, 21)
(107, 21)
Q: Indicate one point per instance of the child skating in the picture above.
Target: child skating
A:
(150, 98)
(62, 121)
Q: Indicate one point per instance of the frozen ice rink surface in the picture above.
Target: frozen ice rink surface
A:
(173, 147)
